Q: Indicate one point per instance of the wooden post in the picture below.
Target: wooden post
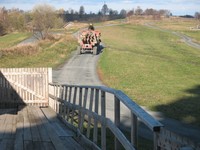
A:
(65, 99)
(84, 107)
(69, 100)
(134, 130)
(155, 141)
(117, 120)
(103, 124)
(79, 111)
(90, 109)
(95, 139)
(74, 102)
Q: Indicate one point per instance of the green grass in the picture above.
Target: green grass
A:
(49, 54)
(183, 26)
(154, 68)
(12, 39)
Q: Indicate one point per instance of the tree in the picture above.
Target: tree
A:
(16, 20)
(81, 11)
(123, 13)
(104, 9)
(3, 20)
(197, 15)
(130, 13)
(150, 11)
(138, 11)
(44, 18)
(164, 12)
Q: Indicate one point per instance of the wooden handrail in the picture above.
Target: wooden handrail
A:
(70, 101)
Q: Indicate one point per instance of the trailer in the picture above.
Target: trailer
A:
(89, 41)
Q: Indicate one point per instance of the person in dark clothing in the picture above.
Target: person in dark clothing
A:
(91, 27)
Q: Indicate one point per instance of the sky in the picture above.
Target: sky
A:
(176, 7)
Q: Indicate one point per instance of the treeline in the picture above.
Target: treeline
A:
(40, 19)
(44, 17)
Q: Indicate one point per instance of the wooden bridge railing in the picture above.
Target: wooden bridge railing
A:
(24, 86)
(92, 107)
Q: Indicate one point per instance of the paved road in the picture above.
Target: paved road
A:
(81, 70)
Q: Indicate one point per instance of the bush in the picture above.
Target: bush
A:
(2, 29)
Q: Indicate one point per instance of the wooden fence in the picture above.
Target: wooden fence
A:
(87, 111)
(87, 108)
(24, 85)
(94, 112)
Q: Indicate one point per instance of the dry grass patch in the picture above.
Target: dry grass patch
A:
(28, 49)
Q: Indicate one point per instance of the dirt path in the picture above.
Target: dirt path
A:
(184, 38)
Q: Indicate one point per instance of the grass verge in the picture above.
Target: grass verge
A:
(154, 68)
(49, 53)
(182, 25)
(12, 39)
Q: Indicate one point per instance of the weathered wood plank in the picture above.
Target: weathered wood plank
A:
(27, 126)
(28, 145)
(33, 122)
(57, 142)
(8, 131)
(19, 132)
(59, 127)
(73, 144)
(2, 126)
(7, 144)
(48, 146)
(41, 127)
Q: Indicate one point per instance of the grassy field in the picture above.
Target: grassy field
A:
(154, 68)
(48, 53)
(181, 25)
(12, 39)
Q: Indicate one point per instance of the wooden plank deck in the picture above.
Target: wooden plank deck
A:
(34, 128)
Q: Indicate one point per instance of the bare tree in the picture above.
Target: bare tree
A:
(44, 17)
(150, 11)
(81, 11)
(3, 20)
(164, 12)
(104, 9)
(123, 13)
(113, 12)
(138, 11)
(130, 13)
(197, 15)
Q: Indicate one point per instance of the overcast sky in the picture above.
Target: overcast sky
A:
(177, 7)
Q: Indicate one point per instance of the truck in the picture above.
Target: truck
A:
(89, 41)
